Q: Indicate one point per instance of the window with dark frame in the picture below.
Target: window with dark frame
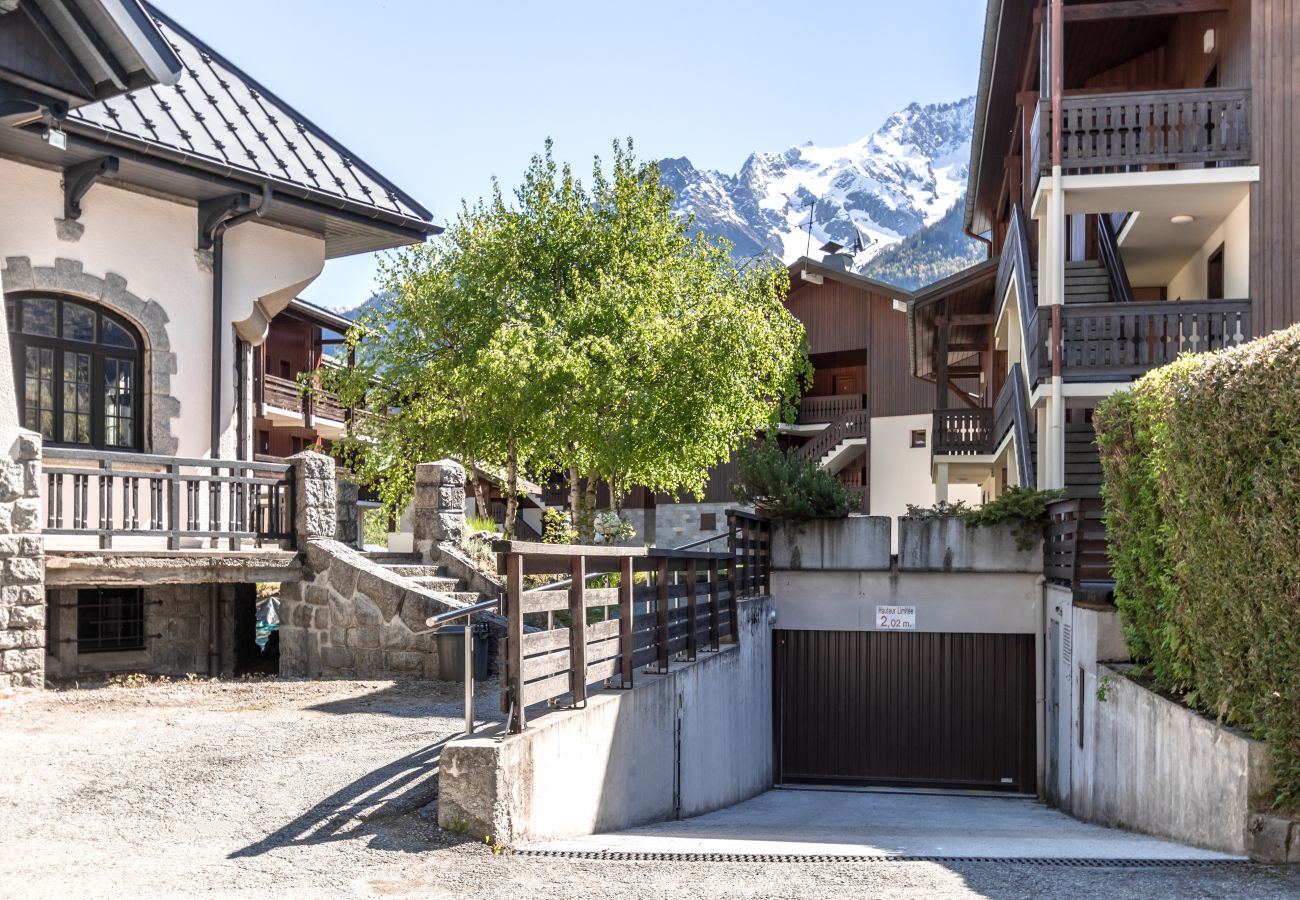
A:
(708, 521)
(110, 619)
(918, 438)
(78, 370)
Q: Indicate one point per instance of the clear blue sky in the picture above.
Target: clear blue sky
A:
(440, 96)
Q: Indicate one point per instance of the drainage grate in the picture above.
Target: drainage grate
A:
(1066, 862)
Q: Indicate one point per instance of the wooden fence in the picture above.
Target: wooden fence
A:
(653, 605)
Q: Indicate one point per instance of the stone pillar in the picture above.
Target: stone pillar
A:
(22, 564)
(315, 497)
(438, 515)
(349, 515)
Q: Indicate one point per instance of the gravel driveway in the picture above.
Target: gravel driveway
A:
(286, 788)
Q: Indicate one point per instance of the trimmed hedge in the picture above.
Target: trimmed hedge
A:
(1202, 491)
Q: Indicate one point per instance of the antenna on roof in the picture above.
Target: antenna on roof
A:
(811, 277)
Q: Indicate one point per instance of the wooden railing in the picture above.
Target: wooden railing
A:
(1127, 130)
(1074, 551)
(962, 432)
(287, 394)
(1019, 388)
(664, 604)
(94, 493)
(854, 425)
(1108, 249)
(814, 410)
(1017, 263)
(1117, 341)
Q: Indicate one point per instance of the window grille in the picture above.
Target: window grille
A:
(110, 619)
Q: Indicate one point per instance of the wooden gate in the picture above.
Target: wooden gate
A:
(911, 709)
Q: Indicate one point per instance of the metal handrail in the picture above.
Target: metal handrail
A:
(450, 616)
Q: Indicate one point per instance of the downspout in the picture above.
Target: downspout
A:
(218, 271)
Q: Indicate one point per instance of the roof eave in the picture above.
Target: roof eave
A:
(989, 51)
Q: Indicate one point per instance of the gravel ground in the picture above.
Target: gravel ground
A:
(320, 789)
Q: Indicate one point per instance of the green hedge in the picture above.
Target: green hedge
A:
(1202, 490)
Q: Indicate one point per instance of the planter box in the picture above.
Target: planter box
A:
(857, 543)
(950, 545)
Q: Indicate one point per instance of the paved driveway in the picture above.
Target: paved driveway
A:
(814, 822)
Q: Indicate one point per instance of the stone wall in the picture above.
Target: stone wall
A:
(22, 566)
(351, 616)
(676, 524)
(349, 514)
(176, 627)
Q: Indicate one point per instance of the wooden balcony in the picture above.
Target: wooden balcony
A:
(1120, 341)
(962, 432)
(286, 394)
(823, 410)
(1134, 131)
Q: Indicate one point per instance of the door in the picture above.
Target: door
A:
(845, 384)
(1053, 710)
(911, 709)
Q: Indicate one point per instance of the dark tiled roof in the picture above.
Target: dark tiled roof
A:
(220, 115)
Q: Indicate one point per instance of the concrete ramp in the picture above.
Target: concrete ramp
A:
(882, 824)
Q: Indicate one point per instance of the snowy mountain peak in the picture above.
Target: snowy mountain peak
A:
(892, 183)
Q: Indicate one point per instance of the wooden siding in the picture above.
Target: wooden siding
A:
(1275, 240)
(835, 316)
(1181, 61)
(893, 390)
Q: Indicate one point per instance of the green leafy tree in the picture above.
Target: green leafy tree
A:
(576, 331)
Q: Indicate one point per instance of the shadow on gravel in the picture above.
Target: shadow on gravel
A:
(363, 807)
(401, 700)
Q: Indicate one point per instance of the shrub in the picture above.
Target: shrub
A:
(556, 528)
(1025, 509)
(941, 510)
(1202, 490)
(786, 486)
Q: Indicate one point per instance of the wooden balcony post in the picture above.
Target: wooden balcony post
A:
(578, 630)
(626, 612)
(690, 610)
(662, 578)
(514, 640)
(713, 604)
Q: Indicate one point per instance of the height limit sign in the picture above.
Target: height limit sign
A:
(896, 618)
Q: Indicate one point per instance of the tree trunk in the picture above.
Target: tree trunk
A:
(587, 522)
(480, 496)
(512, 493)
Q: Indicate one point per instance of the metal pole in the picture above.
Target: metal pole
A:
(469, 677)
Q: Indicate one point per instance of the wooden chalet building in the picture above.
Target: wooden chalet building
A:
(1133, 170)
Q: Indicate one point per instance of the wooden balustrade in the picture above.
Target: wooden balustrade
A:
(854, 425)
(132, 495)
(815, 410)
(962, 432)
(658, 604)
(287, 394)
(1118, 341)
(1126, 130)
(1074, 549)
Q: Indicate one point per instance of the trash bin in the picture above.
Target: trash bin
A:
(451, 652)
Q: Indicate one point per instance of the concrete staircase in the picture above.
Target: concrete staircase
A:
(1086, 281)
(430, 577)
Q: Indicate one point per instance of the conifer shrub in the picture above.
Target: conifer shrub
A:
(784, 485)
(1202, 491)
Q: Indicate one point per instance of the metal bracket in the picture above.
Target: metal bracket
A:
(77, 180)
(217, 210)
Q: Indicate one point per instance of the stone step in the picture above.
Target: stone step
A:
(386, 558)
(438, 582)
(422, 570)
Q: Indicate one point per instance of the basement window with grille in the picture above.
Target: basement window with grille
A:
(110, 619)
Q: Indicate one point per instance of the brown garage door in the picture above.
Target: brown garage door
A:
(906, 708)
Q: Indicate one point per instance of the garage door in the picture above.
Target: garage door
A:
(909, 709)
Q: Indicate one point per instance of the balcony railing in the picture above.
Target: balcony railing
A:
(816, 410)
(962, 432)
(1118, 341)
(287, 394)
(1074, 551)
(1114, 132)
(105, 495)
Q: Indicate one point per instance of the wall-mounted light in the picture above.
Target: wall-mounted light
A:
(56, 138)
(1183, 219)
(1209, 40)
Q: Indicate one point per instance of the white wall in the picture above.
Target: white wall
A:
(151, 243)
(900, 474)
(1234, 235)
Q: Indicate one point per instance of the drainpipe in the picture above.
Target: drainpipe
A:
(218, 326)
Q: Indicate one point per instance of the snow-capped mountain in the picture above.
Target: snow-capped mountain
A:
(894, 182)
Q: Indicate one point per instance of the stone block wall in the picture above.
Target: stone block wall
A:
(22, 565)
(438, 512)
(176, 628)
(349, 514)
(679, 523)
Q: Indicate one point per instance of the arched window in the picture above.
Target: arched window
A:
(78, 372)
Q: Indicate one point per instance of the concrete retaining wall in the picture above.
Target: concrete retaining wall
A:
(693, 740)
(949, 544)
(854, 543)
(1151, 765)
